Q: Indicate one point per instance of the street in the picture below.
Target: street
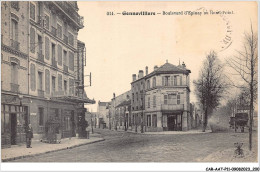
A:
(121, 146)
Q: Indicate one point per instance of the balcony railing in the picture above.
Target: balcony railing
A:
(40, 93)
(14, 88)
(54, 62)
(65, 39)
(70, 12)
(53, 31)
(15, 44)
(172, 107)
(65, 68)
(40, 57)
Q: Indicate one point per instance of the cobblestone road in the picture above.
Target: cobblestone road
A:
(131, 147)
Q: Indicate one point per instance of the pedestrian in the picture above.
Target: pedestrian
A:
(29, 136)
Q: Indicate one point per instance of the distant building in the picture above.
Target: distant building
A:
(102, 114)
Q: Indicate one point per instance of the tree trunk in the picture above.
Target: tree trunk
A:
(205, 121)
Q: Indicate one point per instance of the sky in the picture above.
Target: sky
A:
(118, 46)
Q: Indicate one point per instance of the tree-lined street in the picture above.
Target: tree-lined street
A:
(121, 146)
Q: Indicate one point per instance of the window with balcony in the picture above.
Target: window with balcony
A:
(14, 35)
(154, 119)
(148, 120)
(40, 54)
(14, 78)
(41, 116)
(32, 11)
(53, 82)
(33, 78)
(47, 81)
(47, 48)
(32, 40)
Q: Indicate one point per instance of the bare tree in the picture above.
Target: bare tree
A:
(210, 85)
(245, 65)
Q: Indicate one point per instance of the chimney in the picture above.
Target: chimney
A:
(183, 65)
(114, 95)
(155, 67)
(141, 74)
(134, 77)
(146, 70)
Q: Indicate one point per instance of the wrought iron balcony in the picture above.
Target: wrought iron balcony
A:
(14, 88)
(54, 62)
(65, 39)
(65, 68)
(40, 93)
(172, 107)
(53, 31)
(40, 57)
(15, 44)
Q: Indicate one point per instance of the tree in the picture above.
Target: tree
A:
(210, 85)
(245, 65)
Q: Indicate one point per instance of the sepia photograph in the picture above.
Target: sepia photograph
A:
(130, 82)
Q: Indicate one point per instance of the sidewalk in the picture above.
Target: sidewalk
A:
(38, 148)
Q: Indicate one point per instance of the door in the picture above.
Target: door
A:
(13, 120)
(171, 123)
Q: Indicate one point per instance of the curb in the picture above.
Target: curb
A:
(32, 155)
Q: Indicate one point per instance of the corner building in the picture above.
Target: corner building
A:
(47, 82)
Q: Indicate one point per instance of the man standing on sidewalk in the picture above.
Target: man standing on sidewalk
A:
(29, 136)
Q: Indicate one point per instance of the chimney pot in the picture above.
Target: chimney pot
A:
(141, 74)
(155, 67)
(134, 77)
(146, 70)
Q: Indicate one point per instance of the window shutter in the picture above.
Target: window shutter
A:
(47, 48)
(59, 55)
(32, 74)
(59, 82)
(32, 40)
(47, 81)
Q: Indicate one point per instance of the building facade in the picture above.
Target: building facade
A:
(47, 70)
(102, 113)
(161, 99)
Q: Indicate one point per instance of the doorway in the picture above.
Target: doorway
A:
(13, 120)
(172, 123)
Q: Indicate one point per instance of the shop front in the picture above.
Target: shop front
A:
(172, 121)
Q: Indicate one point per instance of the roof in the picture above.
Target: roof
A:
(167, 68)
(124, 103)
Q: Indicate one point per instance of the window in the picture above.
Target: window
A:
(178, 99)
(14, 33)
(133, 97)
(71, 86)
(154, 123)
(148, 120)
(148, 84)
(180, 80)
(59, 31)
(171, 80)
(32, 75)
(172, 99)
(32, 40)
(47, 48)
(154, 82)
(65, 58)
(154, 101)
(53, 52)
(59, 82)
(40, 81)
(71, 61)
(65, 87)
(165, 99)
(53, 80)
(166, 80)
(14, 73)
(15, 5)
(41, 116)
(39, 44)
(148, 102)
(47, 81)
(175, 80)
(32, 11)
(59, 55)
(71, 39)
